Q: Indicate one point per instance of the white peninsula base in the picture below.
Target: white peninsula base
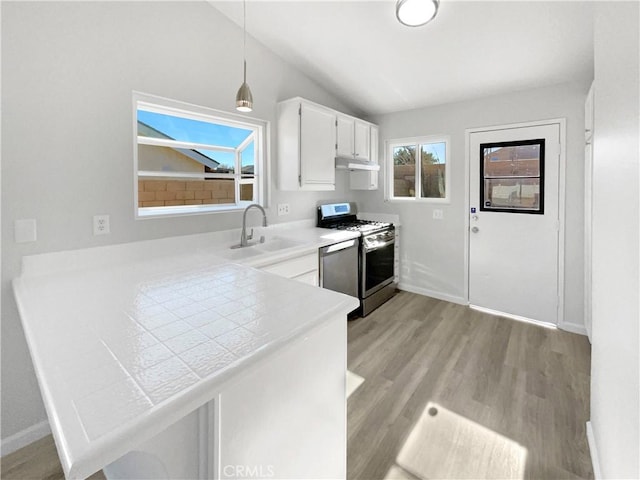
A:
(283, 418)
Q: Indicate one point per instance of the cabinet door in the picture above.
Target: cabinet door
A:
(362, 140)
(374, 144)
(345, 129)
(317, 146)
(588, 116)
(294, 267)
(365, 180)
(285, 417)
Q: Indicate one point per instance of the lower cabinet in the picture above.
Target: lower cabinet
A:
(283, 417)
(303, 268)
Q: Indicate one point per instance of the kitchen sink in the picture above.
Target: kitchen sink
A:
(272, 244)
(242, 253)
(277, 243)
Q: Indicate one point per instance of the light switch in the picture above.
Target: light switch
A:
(25, 230)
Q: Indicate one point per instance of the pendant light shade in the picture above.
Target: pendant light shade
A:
(244, 99)
(415, 13)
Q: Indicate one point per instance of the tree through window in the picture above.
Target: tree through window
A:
(429, 180)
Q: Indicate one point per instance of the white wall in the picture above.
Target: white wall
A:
(615, 372)
(69, 69)
(432, 251)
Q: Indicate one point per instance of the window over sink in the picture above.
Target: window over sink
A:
(418, 169)
(191, 159)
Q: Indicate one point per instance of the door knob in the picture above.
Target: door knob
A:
(475, 229)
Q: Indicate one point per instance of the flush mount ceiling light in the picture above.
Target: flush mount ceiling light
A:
(244, 99)
(415, 13)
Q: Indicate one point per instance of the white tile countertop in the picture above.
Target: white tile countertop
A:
(128, 339)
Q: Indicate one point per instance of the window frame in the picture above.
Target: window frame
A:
(417, 142)
(260, 136)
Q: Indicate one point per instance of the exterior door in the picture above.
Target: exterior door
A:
(514, 221)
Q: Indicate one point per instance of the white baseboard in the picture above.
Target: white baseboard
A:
(573, 328)
(431, 293)
(25, 437)
(595, 461)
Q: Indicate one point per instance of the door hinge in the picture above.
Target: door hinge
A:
(300, 110)
(300, 180)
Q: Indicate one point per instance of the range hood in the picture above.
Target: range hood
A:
(355, 164)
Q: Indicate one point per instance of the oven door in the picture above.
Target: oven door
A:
(377, 267)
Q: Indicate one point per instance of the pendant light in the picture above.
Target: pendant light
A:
(415, 13)
(244, 99)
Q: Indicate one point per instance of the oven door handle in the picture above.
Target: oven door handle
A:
(336, 247)
(371, 249)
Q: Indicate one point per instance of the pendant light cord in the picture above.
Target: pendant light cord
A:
(244, 38)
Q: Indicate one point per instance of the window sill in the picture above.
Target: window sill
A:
(419, 200)
(180, 211)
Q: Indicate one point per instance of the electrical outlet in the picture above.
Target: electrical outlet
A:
(283, 209)
(101, 225)
(437, 214)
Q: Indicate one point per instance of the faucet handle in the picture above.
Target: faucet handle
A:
(250, 236)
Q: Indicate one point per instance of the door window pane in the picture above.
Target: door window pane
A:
(516, 161)
(512, 176)
(404, 171)
(521, 194)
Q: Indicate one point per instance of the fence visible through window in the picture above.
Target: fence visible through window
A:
(188, 161)
(512, 176)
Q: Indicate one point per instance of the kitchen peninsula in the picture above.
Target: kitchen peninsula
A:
(159, 364)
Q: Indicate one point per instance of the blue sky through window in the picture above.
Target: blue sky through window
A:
(435, 149)
(195, 131)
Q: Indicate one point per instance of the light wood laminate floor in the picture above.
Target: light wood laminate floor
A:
(37, 461)
(515, 389)
(510, 383)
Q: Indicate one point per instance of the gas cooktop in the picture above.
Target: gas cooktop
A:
(342, 216)
(363, 226)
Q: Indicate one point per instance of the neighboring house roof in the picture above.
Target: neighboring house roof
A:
(148, 131)
(521, 153)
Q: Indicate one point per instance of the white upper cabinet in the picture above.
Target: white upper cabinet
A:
(345, 127)
(362, 139)
(310, 139)
(588, 116)
(306, 146)
(353, 138)
(367, 180)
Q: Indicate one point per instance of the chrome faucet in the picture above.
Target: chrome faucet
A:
(244, 238)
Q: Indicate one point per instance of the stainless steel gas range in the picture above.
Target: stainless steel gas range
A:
(375, 258)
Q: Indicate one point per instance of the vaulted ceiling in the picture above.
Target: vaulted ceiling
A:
(361, 53)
